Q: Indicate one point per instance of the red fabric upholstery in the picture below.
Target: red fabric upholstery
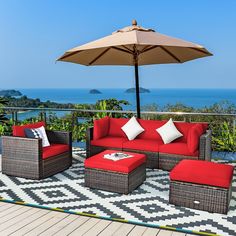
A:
(179, 148)
(203, 172)
(123, 166)
(101, 128)
(115, 127)
(143, 144)
(108, 133)
(150, 127)
(183, 128)
(54, 149)
(204, 125)
(18, 130)
(193, 137)
(109, 141)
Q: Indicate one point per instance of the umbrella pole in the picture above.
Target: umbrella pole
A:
(137, 90)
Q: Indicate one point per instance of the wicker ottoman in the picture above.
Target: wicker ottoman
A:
(201, 185)
(121, 176)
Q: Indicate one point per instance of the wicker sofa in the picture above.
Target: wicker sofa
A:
(195, 143)
(25, 157)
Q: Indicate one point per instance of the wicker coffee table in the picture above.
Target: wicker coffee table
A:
(201, 185)
(122, 176)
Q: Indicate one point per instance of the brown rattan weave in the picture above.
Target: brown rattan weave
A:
(22, 157)
(169, 161)
(200, 197)
(115, 181)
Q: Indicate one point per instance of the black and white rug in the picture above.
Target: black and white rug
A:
(146, 205)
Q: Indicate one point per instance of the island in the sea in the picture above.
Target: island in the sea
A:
(95, 91)
(141, 90)
(10, 93)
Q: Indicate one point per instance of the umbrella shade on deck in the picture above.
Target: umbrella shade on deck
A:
(135, 46)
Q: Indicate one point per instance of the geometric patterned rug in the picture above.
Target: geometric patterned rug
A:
(147, 205)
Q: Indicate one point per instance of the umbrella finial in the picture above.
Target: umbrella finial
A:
(134, 22)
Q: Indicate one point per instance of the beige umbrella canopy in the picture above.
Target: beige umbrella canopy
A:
(135, 45)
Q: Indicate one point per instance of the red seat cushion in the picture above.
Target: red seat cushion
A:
(179, 148)
(150, 127)
(115, 127)
(101, 128)
(55, 149)
(109, 141)
(19, 130)
(203, 172)
(143, 144)
(193, 137)
(122, 166)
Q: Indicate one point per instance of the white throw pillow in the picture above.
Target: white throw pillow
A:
(132, 128)
(169, 132)
(38, 133)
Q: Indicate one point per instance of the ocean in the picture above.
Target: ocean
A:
(196, 98)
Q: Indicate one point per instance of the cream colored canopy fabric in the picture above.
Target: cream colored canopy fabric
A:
(135, 44)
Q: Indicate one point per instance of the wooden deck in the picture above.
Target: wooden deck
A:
(22, 220)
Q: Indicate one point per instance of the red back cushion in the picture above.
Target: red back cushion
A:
(150, 127)
(19, 130)
(204, 126)
(193, 136)
(183, 128)
(115, 127)
(101, 128)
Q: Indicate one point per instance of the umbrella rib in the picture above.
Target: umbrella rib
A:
(127, 49)
(147, 48)
(123, 50)
(171, 54)
(100, 55)
(68, 55)
(200, 50)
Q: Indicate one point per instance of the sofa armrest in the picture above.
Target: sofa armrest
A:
(89, 137)
(62, 137)
(20, 148)
(205, 146)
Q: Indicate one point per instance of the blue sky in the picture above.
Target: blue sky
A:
(34, 33)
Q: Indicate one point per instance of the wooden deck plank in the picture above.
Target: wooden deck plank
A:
(98, 228)
(151, 232)
(178, 234)
(27, 228)
(137, 231)
(165, 233)
(47, 224)
(11, 218)
(72, 226)
(2, 204)
(8, 210)
(85, 227)
(5, 207)
(111, 229)
(59, 226)
(17, 220)
(21, 227)
(27, 217)
(124, 230)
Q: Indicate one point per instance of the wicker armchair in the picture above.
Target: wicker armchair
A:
(23, 157)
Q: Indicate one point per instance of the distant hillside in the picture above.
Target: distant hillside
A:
(141, 90)
(10, 93)
(95, 91)
(24, 101)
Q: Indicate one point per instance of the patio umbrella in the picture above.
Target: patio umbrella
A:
(135, 46)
